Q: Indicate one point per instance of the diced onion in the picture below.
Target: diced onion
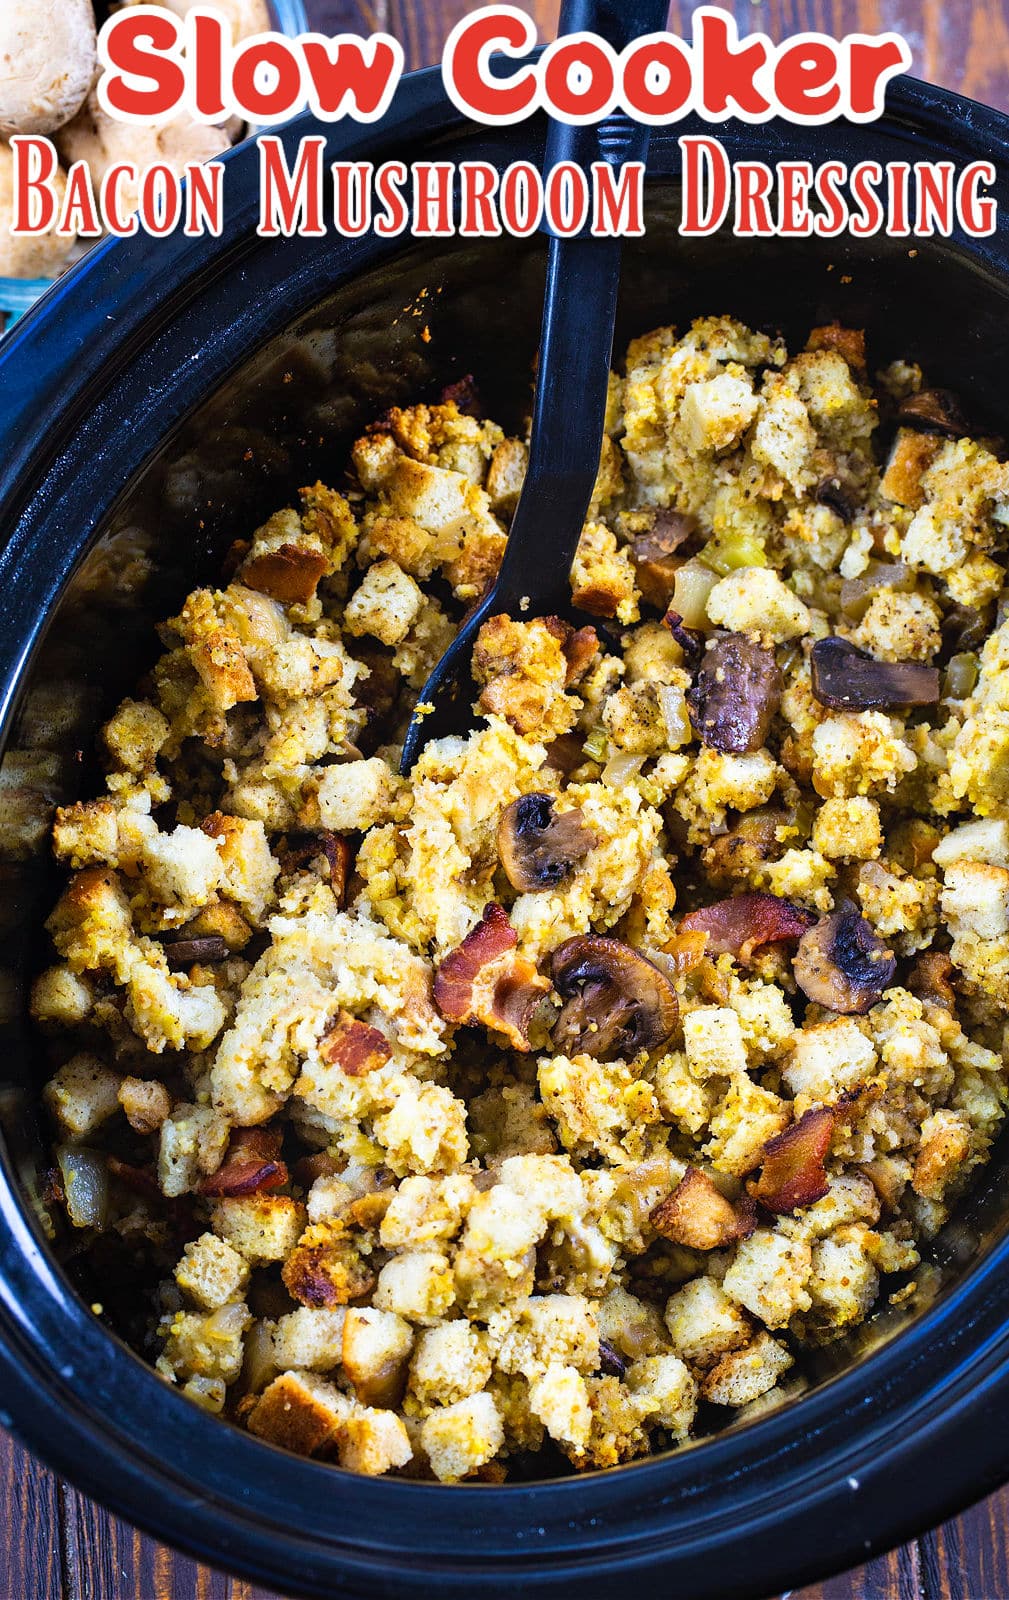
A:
(85, 1184)
(621, 768)
(694, 582)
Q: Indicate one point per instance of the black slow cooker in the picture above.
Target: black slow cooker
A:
(160, 397)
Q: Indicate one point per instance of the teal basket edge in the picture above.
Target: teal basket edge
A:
(18, 295)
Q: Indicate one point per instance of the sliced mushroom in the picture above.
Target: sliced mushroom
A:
(354, 1046)
(251, 1166)
(611, 1361)
(933, 411)
(792, 1172)
(485, 980)
(654, 555)
(929, 979)
(847, 679)
(842, 964)
(184, 952)
(735, 694)
(698, 1215)
(540, 846)
(747, 922)
(617, 1002)
(840, 495)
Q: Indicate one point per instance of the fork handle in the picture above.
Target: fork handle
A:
(576, 343)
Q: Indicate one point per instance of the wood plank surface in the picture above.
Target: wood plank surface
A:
(57, 1545)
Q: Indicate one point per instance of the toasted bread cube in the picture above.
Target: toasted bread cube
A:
(91, 925)
(376, 1349)
(713, 1041)
(560, 1399)
(205, 1344)
(418, 1285)
(385, 604)
(248, 868)
(449, 1362)
(211, 1273)
(744, 1375)
(134, 735)
(83, 1094)
(146, 1102)
(769, 1276)
(61, 996)
(310, 1339)
(665, 1391)
(704, 1323)
(263, 1227)
(463, 1437)
(373, 1442)
(427, 1211)
(976, 898)
(355, 795)
(193, 1141)
(300, 1412)
(551, 1330)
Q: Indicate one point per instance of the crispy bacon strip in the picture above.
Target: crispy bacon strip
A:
(484, 980)
(746, 922)
(793, 1173)
(251, 1166)
(353, 1046)
(289, 574)
(696, 1214)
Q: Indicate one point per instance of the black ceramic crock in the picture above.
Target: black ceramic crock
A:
(160, 399)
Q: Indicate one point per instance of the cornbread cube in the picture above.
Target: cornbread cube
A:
(665, 1392)
(450, 1361)
(844, 1282)
(741, 782)
(146, 1103)
(829, 1058)
(135, 735)
(355, 795)
(182, 868)
(551, 1330)
(425, 1130)
(248, 868)
(715, 413)
(87, 833)
(211, 1273)
(859, 752)
(744, 1375)
(300, 1412)
(193, 1141)
(61, 996)
(975, 897)
(946, 1144)
(376, 1349)
(418, 1285)
(462, 1437)
(769, 1276)
(753, 600)
(899, 627)
(263, 1227)
(168, 1010)
(713, 1041)
(848, 829)
(310, 1339)
(704, 1322)
(560, 1399)
(632, 1326)
(385, 604)
(91, 925)
(426, 1211)
(205, 1344)
(373, 1442)
(83, 1094)
(633, 718)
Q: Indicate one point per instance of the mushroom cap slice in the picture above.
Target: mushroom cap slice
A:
(847, 679)
(933, 411)
(617, 1002)
(842, 965)
(540, 846)
(735, 694)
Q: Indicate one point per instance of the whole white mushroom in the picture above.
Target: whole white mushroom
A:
(48, 59)
(42, 256)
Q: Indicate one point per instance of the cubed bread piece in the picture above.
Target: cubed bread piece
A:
(135, 734)
(975, 897)
(263, 1227)
(310, 1339)
(83, 1094)
(551, 1330)
(945, 1149)
(300, 1412)
(829, 1058)
(843, 1282)
(560, 1399)
(205, 1344)
(704, 1322)
(744, 1375)
(665, 1392)
(385, 604)
(417, 1284)
(744, 1120)
(193, 1141)
(146, 1103)
(355, 795)
(426, 1211)
(769, 1276)
(848, 829)
(376, 1349)
(462, 1437)
(450, 1361)
(754, 601)
(62, 996)
(373, 1442)
(713, 1041)
(716, 412)
(211, 1272)
(985, 840)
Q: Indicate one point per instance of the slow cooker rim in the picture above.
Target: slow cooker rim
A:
(916, 103)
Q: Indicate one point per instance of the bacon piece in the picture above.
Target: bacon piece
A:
(484, 980)
(353, 1046)
(251, 1166)
(696, 1214)
(792, 1172)
(138, 1179)
(289, 574)
(746, 922)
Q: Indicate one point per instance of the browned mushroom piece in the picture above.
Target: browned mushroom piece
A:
(929, 979)
(540, 846)
(611, 1361)
(933, 411)
(654, 555)
(252, 1165)
(184, 952)
(735, 694)
(847, 679)
(840, 495)
(746, 923)
(842, 964)
(485, 980)
(792, 1171)
(698, 1215)
(617, 1003)
(690, 640)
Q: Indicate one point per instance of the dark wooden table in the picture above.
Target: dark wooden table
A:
(57, 1545)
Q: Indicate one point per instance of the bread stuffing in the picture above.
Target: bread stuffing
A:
(548, 1103)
